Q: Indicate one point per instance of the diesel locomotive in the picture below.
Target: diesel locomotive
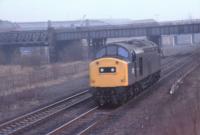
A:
(121, 70)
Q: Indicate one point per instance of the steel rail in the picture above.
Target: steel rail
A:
(18, 124)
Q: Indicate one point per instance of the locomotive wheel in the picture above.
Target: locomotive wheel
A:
(158, 76)
(137, 88)
(114, 101)
(98, 101)
(131, 92)
(101, 102)
(124, 97)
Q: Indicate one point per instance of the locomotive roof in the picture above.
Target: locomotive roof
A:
(137, 45)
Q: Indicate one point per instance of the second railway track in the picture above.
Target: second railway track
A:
(25, 121)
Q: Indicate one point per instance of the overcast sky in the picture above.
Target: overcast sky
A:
(58, 10)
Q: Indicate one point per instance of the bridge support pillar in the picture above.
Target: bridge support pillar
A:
(95, 45)
(175, 40)
(69, 51)
(193, 39)
(9, 55)
(53, 53)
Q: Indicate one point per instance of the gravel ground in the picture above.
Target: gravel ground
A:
(23, 102)
(159, 113)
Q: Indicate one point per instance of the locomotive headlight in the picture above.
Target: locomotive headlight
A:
(107, 69)
(101, 70)
(112, 69)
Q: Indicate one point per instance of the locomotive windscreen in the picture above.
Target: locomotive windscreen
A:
(113, 51)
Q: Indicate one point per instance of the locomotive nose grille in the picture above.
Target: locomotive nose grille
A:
(107, 69)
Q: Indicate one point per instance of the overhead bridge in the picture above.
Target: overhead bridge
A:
(96, 35)
(24, 38)
(40, 37)
(127, 31)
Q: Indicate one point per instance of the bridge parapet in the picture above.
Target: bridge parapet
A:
(23, 37)
(128, 31)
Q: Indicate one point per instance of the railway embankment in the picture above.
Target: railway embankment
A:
(38, 87)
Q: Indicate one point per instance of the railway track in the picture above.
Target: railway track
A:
(170, 65)
(28, 120)
(168, 60)
(171, 59)
(69, 125)
(85, 122)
